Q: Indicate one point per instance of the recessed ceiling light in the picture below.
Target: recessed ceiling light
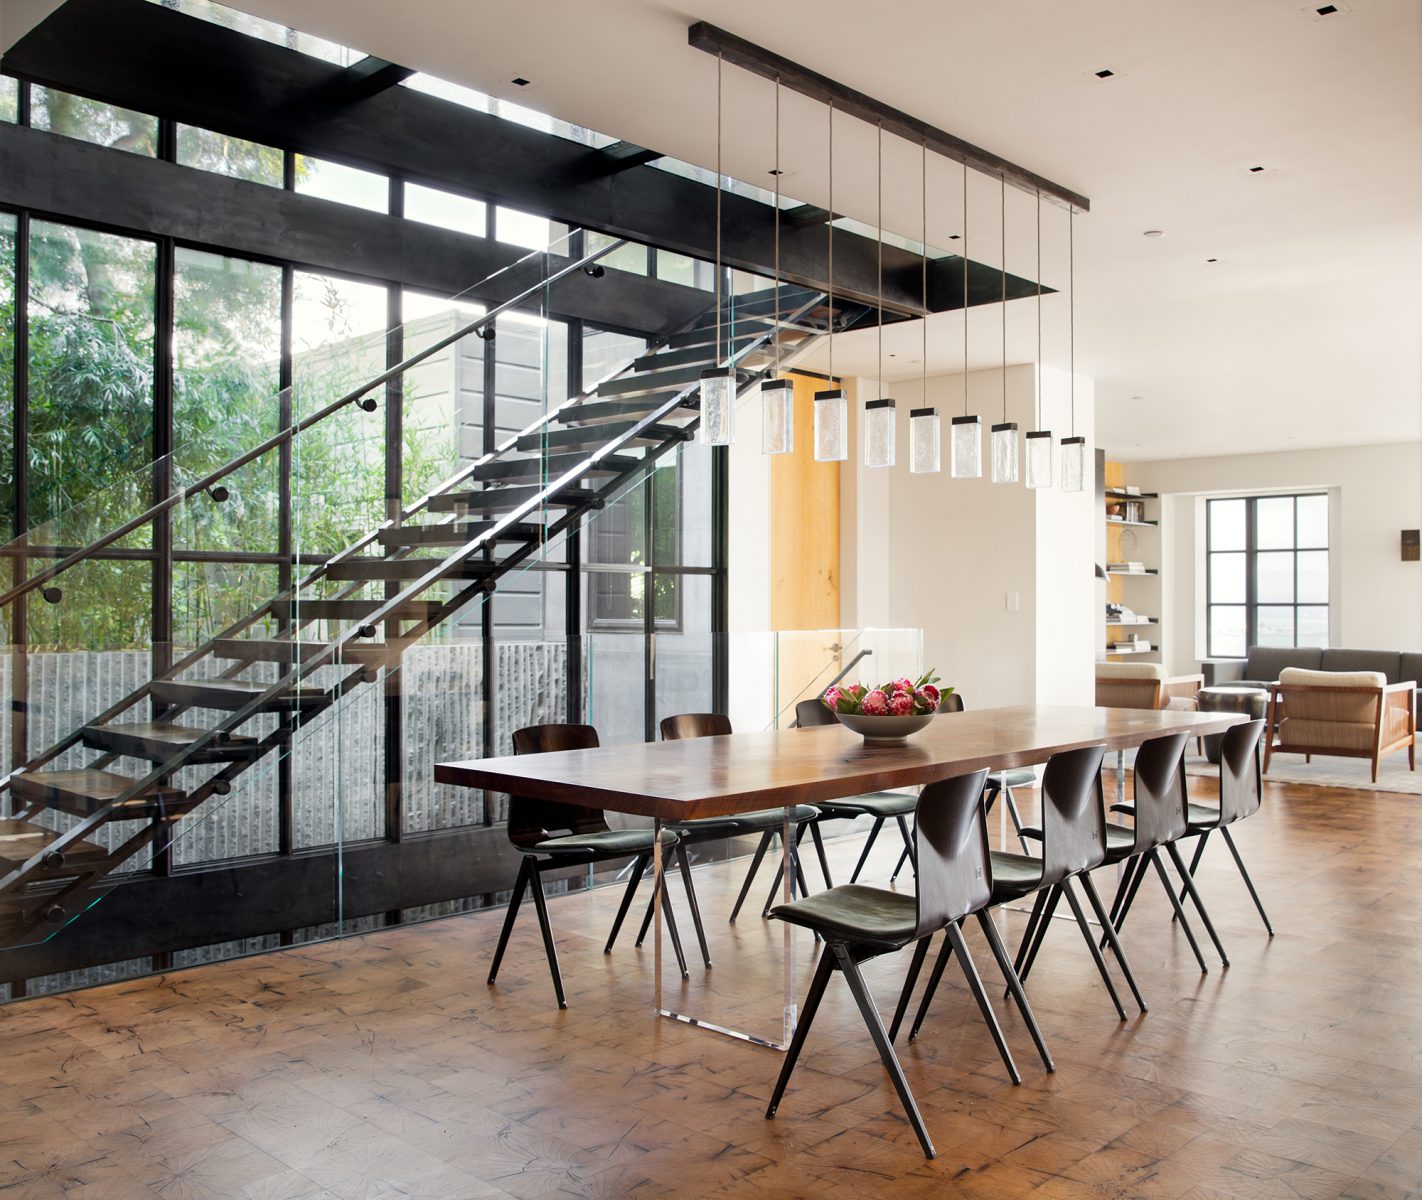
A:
(1255, 170)
(1138, 398)
(1154, 233)
(1104, 73)
(520, 81)
(953, 237)
(1322, 12)
(775, 171)
(1212, 260)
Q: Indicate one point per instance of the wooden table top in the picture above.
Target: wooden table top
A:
(716, 776)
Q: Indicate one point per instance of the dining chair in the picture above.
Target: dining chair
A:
(767, 822)
(1073, 842)
(533, 827)
(1240, 792)
(858, 922)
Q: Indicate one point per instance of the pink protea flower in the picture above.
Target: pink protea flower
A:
(903, 684)
(930, 695)
(832, 698)
(901, 704)
(874, 704)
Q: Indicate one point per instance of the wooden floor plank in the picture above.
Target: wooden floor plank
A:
(383, 1065)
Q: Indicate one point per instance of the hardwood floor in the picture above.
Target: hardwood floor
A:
(383, 1066)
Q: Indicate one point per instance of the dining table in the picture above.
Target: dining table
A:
(683, 780)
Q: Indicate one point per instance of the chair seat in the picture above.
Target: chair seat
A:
(751, 822)
(1203, 816)
(875, 804)
(854, 913)
(1021, 777)
(609, 844)
(1014, 875)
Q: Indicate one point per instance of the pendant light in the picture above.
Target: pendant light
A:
(1004, 435)
(880, 428)
(777, 395)
(831, 406)
(1039, 441)
(1073, 448)
(923, 422)
(718, 383)
(966, 461)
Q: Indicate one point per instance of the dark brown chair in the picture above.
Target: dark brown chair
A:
(766, 822)
(553, 834)
(859, 923)
(1074, 825)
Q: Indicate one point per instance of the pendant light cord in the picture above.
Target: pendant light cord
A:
(1039, 308)
(718, 208)
(830, 316)
(1002, 180)
(777, 226)
(1071, 309)
(923, 199)
(966, 265)
(879, 169)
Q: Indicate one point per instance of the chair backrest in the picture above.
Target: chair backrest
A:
(1324, 698)
(951, 703)
(1161, 794)
(1239, 771)
(532, 821)
(951, 849)
(1128, 685)
(695, 725)
(1073, 813)
(813, 712)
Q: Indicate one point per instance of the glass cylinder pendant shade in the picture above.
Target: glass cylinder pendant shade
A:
(880, 429)
(718, 406)
(777, 422)
(1073, 464)
(1004, 452)
(967, 448)
(923, 441)
(1039, 459)
(831, 426)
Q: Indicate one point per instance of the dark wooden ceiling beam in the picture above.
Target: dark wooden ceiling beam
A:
(766, 63)
(372, 75)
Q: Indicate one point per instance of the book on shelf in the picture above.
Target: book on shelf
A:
(1130, 568)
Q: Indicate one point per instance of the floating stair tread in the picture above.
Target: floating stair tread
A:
(231, 693)
(353, 610)
(551, 468)
(83, 793)
(640, 406)
(282, 651)
(21, 840)
(597, 435)
(505, 499)
(376, 569)
(449, 533)
(668, 378)
(158, 741)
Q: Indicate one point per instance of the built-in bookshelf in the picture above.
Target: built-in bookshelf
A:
(1133, 583)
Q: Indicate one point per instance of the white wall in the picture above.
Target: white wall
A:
(944, 554)
(1376, 492)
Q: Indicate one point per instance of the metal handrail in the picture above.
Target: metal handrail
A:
(285, 435)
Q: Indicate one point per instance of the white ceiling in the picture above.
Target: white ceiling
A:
(1308, 330)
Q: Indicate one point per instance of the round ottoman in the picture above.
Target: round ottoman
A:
(1252, 702)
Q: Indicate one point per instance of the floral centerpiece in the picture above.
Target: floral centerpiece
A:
(889, 712)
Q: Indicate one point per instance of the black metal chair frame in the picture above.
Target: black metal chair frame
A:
(950, 836)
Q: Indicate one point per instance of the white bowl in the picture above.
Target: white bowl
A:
(884, 729)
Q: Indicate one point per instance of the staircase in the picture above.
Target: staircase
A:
(356, 613)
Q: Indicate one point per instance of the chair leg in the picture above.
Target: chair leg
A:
(685, 865)
(1126, 894)
(869, 845)
(1194, 863)
(908, 842)
(1090, 889)
(540, 902)
(1027, 951)
(850, 970)
(975, 985)
(639, 865)
(1014, 985)
(920, 952)
(1174, 851)
(823, 970)
(671, 925)
(814, 827)
(1120, 899)
(1101, 967)
(1011, 802)
(945, 952)
(1244, 874)
(520, 886)
(797, 876)
(899, 866)
(1154, 856)
(647, 917)
(750, 875)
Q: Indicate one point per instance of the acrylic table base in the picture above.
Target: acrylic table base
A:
(789, 1000)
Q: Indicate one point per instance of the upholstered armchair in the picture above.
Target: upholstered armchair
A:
(1144, 685)
(1354, 714)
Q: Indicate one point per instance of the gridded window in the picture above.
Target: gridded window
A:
(1266, 573)
(236, 157)
(9, 99)
(93, 121)
(343, 184)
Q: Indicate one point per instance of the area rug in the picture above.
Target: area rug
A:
(1393, 775)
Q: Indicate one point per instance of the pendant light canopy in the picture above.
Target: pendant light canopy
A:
(718, 383)
(1004, 434)
(777, 395)
(967, 431)
(1039, 441)
(1073, 448)
(923, 422)
(831, 406)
